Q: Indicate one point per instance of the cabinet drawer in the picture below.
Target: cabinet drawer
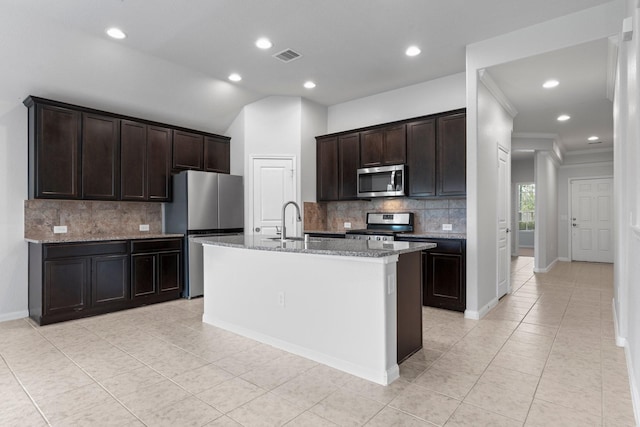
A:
(447, 246)
(66, 250)
(138, 246)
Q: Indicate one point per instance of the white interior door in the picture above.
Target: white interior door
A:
(273, 185)
(504, 199)
(592, 220)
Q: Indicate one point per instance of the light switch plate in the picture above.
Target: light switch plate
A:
(144, 227)
(347, 225)
(57, 229)
(447, 227)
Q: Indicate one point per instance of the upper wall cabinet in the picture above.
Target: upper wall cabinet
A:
(433, 148)
(452, 155)
(100, 157)
(188, 150)
(81, 153)
(54, 152)
(383, 146)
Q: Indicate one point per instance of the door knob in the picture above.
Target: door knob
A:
(574, 224)
(508, 230)
(257, 229)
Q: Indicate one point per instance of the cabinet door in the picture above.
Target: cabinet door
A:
(349, 161)
(395, 145)
(444, 283)
(143, 275)
(65, 287)
(421, 158)
(452, 155)
(327, 168)
(217, 154)
(188, 150)
(159, 164)
(168, 271)
(57, 153)
(133, 160)
(371, 148)
(109, 279)
(100, 157)
(409, 303)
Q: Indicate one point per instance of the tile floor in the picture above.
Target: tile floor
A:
(545, 356)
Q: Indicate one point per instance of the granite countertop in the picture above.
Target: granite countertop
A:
(65, 238)
(316, 245)
(404, 235)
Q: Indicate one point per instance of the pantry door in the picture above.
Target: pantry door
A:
(592, 220)
(273, 184)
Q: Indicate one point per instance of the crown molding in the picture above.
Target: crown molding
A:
(495, 90)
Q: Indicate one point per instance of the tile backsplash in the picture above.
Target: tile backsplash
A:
(429, 214)
(90, 218)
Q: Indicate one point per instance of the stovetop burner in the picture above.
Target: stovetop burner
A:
(383, 226)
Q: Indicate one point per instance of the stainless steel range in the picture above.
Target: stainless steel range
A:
(383, 226)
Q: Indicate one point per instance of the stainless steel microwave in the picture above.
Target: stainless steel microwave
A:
(383, 181)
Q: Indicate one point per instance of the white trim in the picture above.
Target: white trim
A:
(547, 268)
(612, 65)
(620, 340)
(582, 165)
(477, 315)
(495, 90)
(536, 135)
(15, 315)
(589, 151)
(633, 385)
(563, 259)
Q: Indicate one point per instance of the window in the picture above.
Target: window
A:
(526, 206)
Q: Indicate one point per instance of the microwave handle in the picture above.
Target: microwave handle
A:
(393, 179)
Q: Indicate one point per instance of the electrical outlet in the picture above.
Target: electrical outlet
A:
(347, 225)
(281, 299)
(144, 227)
(57, 229)
(447, 227)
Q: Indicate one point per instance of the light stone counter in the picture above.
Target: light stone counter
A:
(66, 238)
(317, 245)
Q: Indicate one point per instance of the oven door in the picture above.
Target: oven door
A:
(383, 181)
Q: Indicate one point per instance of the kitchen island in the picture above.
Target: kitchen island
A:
(330, 300)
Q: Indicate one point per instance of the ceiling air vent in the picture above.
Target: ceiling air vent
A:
(287, 55)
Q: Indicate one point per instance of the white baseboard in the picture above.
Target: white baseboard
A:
(622, 342)
(547, 268)
(479, 314)
(564, 259)
(4, 317)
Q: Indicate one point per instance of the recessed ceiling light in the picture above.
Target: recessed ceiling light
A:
(550, 84)
(235, 77)
(412, 51)
(264, 43)
(593, 138)
(563, 118)
(309, 84)
(116, 33)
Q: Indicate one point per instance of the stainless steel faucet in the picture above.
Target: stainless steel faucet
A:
(283, 235)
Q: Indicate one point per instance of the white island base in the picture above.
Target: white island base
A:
(336, 310)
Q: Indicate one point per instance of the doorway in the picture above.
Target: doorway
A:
(273, 183)
(526, 218)
(591, 214)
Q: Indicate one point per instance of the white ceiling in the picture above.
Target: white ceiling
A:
(582, 94)
(350, 48)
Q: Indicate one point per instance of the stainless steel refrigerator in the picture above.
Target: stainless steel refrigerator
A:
(206, 204)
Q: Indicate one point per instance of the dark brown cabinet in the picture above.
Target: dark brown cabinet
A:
(348, 164)
(452, 155)
(145, 162)
(54, 151)
(71, 280)
(217, 154)
(81, 153)
(155, 269)
(421, 158)
(384, 146)
(327, 168)
(100, 157)
(444, 271)
(188, 150)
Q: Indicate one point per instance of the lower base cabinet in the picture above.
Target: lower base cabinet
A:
(409, 305)
(73, 280)
(444, 275)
